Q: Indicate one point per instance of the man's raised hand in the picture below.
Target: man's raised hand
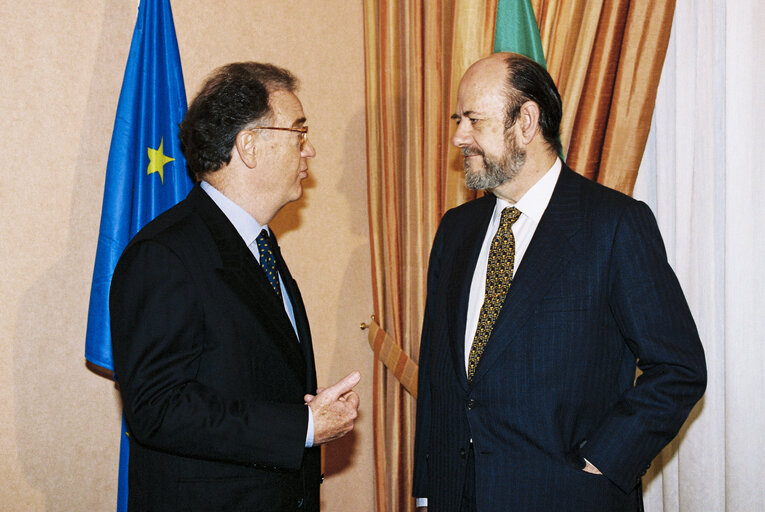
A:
(334, 409)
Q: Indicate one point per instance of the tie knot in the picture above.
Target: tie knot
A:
(262, 240)
(509, 216)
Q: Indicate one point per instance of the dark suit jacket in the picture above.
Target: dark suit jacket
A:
(593, 295)
(211, 373)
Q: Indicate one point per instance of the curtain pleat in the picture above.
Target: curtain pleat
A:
(589, 128)
(473, 39)
(568, 33)
(643, 48)
(408, 51)
(702, 175)
(606, 58)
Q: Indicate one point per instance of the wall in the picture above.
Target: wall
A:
(61, 71)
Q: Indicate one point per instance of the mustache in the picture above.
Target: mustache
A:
(468, 151)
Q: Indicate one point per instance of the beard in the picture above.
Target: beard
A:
(496, 172)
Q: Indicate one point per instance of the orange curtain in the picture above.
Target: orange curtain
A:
(606, 57)
(415, 57)
(472, 39)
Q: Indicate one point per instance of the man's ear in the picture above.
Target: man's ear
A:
(247, 147)
(528, 118)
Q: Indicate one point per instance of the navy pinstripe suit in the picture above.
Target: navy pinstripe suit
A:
(593, 297)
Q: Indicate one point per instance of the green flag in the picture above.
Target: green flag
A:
(516, 30)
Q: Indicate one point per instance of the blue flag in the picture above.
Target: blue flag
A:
(145, 173)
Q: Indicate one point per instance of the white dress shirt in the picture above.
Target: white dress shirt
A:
(532, 206)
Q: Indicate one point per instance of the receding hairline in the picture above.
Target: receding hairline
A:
(270, 76)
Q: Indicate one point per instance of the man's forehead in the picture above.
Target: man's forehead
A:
(286, 106)
(482, 87)
(480, 97)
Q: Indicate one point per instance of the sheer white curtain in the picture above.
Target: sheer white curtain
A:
(703, 175)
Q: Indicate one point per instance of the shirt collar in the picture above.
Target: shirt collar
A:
(534, 202)
(244, 223)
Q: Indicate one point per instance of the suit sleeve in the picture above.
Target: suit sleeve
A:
(656, 323)
(422, 430)
(158, 334)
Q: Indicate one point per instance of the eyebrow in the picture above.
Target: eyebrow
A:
(466, 113)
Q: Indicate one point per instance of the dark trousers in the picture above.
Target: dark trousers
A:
(468, 490)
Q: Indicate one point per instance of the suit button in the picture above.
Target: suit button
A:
(462, 453)
(471, 404)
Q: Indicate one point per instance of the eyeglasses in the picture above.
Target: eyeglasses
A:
(303, 131)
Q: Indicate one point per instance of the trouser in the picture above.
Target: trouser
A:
(468, 490)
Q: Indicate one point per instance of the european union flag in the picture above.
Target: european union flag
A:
(146, 171)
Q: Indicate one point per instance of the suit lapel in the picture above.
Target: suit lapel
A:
(549, 252)
(301, 318)
(241, 271)
(469, 242)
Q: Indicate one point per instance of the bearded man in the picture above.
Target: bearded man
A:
(544, 297)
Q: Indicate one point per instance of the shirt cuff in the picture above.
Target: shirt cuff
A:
(309, 432)
(421, 502)
(591, 464)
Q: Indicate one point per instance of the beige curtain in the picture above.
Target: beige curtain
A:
(703, 176)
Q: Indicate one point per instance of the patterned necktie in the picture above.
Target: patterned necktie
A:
(268, 261)
(499, 275)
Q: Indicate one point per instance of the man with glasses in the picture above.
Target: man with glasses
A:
(212, 348)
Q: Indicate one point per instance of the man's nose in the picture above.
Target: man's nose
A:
(462, 136)
(308, 150)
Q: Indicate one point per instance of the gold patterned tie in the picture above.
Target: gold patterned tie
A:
(499, 275)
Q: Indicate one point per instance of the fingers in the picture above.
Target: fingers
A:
(344, 385)
(351, 398)
(334, 409)
(308, 398)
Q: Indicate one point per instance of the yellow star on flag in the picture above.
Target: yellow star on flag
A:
(157, 160)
